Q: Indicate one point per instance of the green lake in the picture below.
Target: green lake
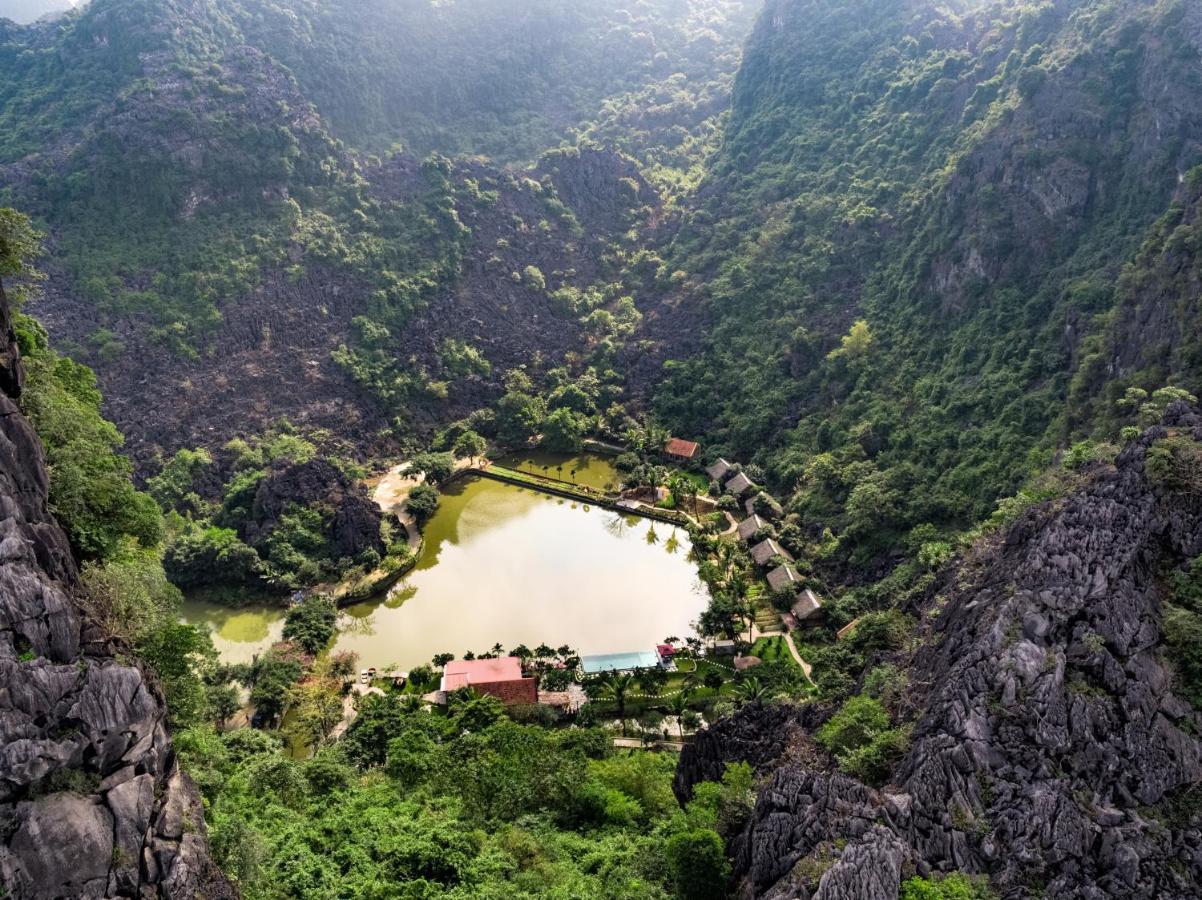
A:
(506, 564)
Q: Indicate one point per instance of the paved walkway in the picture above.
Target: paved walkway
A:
(348, 707)
(629, 743)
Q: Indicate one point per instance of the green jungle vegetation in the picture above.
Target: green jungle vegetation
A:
(873, 349)
(215, 134)
(504, 79)
(471, 804)
(870, 281)
(235, 541)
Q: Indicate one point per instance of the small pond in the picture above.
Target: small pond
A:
(587, 469)
(506, 564)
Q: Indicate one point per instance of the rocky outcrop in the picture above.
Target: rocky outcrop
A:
(353, 519)
(601, 187)
(92, 802)
(1052, 756)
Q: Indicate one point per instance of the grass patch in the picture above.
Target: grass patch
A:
(773, 649)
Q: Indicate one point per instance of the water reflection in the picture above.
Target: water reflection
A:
(587, 469)
(509, 565)
(238, 634)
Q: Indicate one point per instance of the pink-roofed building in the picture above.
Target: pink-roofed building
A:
(501, 677)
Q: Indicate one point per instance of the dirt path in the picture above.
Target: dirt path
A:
(393, 489)
(806, 668)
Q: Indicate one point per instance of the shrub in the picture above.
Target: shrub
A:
(211, 556)
(422, 502)
(860, 739)
(90, 488)
(1175, 463)
(437, 467)
(310, 623)
(954, 886)
(697, 860)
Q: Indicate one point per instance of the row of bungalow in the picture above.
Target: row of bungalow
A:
(766, 552)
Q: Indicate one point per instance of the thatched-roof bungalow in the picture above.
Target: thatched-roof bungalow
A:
(766, 550)
(806, 605)
(739, 485)
(749, 526)
(719, 470)
(766, 504)
(782, 577)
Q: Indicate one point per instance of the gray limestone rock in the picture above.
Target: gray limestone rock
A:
(92, 802)
(1051, 754)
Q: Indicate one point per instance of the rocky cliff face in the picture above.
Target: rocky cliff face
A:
(1052, 755)
(354, 520)
(92, 803)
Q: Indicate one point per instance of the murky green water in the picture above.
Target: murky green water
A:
(238, 634)
(587, 469)
(505, 564)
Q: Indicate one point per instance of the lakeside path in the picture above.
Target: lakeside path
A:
(392, 490)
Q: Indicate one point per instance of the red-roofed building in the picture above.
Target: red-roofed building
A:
(501, 677)
(679, 449)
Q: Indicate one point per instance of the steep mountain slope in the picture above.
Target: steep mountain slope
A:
(92, 802)
(505, 78)
(969, 180)
(253, 245)
(329, 343)
(1052, 749)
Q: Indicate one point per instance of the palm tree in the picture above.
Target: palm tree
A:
(692, 681)
(615, 686)
(726, 555)
(679, 704)
(411, 703)
(752, 690)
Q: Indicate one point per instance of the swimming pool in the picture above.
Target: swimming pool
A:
(619, 662)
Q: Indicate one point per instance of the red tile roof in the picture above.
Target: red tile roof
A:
(500, 677)
(502, 668)
(682, 448)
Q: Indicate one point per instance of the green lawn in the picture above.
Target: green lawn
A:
(771, 649)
